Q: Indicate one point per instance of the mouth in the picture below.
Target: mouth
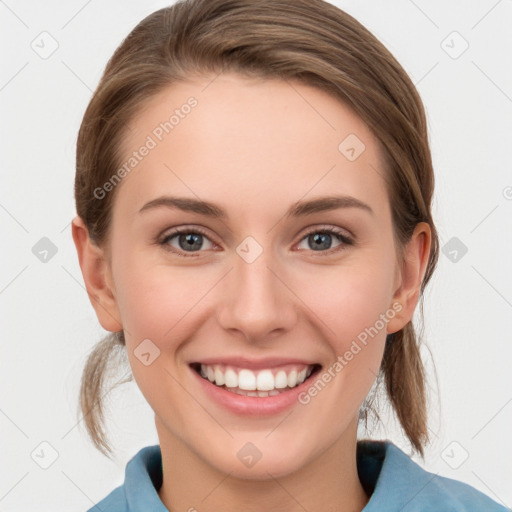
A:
(262, 383)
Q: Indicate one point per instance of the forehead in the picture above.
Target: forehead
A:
(249, 142)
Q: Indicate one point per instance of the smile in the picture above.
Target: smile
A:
(262, 383)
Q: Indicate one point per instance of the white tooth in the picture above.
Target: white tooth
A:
(219, 376)
(230, 378)
(262, 393)
(273, 392)
(281, 380)
(251, 393)
(292, 378)
(265, 381)
(246, 380)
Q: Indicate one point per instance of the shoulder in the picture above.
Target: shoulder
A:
(143, 478)
(453, 495)
(402, 484)
(114, 502)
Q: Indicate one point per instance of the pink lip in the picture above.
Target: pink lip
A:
(251, 405)
(255, 364)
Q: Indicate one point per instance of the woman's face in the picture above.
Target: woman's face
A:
(253, 285)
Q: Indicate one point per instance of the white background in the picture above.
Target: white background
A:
(48, 324)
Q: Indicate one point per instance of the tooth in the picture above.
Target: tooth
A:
(265, 381)
(246, 380)
(230, 378)
(292, 378)
(273, 392)
(219, 376)
(251, 393)
(262, 393)
(281, 380)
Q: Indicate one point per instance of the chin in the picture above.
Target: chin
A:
(261, 460)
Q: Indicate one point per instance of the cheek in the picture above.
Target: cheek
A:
(349, 299)
(154, 298)
(156, 303)
(354, 301)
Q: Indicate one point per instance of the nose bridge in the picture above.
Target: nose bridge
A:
(258, 302)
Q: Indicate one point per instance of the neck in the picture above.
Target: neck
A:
(329, 482)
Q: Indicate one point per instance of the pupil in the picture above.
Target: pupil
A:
(191, 239)
(318, 238)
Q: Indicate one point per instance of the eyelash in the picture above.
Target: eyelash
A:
(198, 231)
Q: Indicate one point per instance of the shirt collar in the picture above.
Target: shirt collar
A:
(391, 478)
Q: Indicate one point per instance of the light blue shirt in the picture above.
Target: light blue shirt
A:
(393, 480)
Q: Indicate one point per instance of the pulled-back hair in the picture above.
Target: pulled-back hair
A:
(310, 41)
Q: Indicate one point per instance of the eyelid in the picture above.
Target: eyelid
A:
(327, 227)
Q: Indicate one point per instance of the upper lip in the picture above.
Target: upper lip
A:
(256, 364)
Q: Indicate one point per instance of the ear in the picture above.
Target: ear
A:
(409, 276)
(97, 277)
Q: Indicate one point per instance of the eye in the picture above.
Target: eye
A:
(321, 238)
(188, 240)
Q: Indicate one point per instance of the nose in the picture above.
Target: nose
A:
(258, 301)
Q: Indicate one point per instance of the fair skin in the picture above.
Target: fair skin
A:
(254, 148)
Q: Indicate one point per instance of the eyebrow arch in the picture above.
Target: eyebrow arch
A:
(298, 209)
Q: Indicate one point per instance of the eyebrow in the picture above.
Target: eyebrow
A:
(298, 209)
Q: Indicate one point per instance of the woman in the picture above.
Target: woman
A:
(253, 190)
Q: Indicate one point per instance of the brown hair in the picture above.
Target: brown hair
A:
(310, 41)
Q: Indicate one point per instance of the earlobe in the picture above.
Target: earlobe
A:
(96, 272)
(411, 273)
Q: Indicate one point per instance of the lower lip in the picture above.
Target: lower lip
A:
(252, 405)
